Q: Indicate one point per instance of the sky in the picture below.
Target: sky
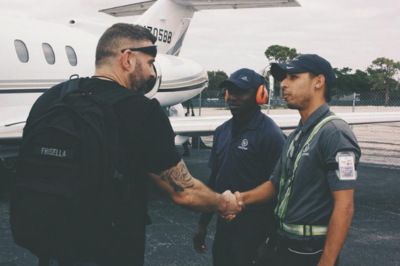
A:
(348, 33)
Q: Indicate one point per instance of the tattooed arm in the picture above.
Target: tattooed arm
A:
(191, 193)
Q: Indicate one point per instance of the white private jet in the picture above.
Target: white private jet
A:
(37, 55)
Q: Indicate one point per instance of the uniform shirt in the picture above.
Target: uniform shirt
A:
(146, 138)
(311, 201)
(247, 160)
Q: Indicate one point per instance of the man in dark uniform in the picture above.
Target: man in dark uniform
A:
(315, 177)
(245, 151)
(124, 61)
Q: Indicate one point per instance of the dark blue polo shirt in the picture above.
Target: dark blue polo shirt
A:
(247, 161)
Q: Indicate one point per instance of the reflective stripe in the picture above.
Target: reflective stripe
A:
(293, 229)
(281, 207)
(302, 253)
(305, 230)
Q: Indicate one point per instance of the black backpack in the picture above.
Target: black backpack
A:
(68, 188)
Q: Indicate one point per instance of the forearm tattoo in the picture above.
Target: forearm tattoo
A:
(178, 177)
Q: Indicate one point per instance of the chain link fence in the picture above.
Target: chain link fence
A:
(380, 143)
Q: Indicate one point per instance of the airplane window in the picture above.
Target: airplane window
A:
(71, 55)
(49, 53)
(22, 51)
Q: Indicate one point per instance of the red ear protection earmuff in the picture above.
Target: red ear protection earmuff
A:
(262, 94)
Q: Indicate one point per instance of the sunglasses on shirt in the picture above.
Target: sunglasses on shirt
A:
(150, 50)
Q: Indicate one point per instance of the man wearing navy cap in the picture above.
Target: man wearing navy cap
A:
(315, 177)
(245, 151)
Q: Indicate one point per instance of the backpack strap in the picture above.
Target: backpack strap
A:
(68, 86)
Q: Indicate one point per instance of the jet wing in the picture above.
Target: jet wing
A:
(129, 10)
(235, 4)
(206, 125)
(11, 135)
(198, 5)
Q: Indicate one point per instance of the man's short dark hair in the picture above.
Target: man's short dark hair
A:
(327, 93)
(116, 35)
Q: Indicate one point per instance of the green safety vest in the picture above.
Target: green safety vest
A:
(280, 210)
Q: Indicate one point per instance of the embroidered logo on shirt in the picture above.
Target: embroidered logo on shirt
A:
(305, 150)
(244, 144)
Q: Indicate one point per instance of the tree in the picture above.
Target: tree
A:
(279, 54)
(344, 84)
(348, 82)
(214, 79)
(362, 82)
(383, 73)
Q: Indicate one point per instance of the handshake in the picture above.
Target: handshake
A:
(234, 205)
(231, 205)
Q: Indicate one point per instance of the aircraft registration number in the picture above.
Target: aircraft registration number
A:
(161, 34)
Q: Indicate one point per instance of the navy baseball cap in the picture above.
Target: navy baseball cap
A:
(243, 78)
(305, 63)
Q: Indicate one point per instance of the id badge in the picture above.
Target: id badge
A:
(346, 166)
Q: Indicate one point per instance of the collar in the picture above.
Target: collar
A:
(253, 123)
(255, 120)
(314, 118)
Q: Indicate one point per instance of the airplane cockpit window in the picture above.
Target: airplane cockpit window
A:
(22, 51)
(73, 60)
(49, 53)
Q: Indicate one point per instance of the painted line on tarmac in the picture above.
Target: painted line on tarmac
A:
(398, 214)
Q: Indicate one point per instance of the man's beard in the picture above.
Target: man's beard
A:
(140, 83)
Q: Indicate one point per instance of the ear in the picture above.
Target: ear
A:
(128, 61)
(320, 82)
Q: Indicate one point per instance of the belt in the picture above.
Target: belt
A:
(304, 230)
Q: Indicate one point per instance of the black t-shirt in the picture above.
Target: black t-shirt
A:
(146, 137)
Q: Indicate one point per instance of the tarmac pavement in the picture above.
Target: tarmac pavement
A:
(373, 240)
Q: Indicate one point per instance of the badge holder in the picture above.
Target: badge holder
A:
(346, 166)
